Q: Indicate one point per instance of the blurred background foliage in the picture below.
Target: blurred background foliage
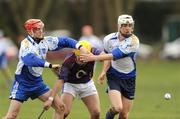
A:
(149, 15)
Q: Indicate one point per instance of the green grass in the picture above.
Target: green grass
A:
(154, 79)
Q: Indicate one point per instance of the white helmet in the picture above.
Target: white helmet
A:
(125, 19)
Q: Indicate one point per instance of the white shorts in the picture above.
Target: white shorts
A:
(80, 90)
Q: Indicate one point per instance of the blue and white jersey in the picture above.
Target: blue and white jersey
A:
(32, 57)
(123, 65)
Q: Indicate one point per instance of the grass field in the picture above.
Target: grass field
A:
(154, 79)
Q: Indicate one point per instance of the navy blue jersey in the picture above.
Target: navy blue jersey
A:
(73, 72)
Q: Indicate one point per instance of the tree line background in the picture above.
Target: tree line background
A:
(73, 14)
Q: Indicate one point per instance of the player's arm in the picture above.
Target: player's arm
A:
(106, 65)
(57, 86)
(91, 57)
(57, 43)
(63, 74)
(33, 61)
(72, 43)
(68, 42)
(114, 55)
(29, 58)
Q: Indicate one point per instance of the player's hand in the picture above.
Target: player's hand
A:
(60, 105)
(87, 57)
(101, 78)
(83, 50)
(56, 70)
(56, 66)
(47, 104)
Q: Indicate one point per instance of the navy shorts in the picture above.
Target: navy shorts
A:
(21, 93)
(125, 86)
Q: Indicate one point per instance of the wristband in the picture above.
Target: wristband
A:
(50, 65)
(79, 47)
(51, 98)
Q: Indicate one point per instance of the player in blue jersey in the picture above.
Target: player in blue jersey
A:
(5, 45)
(119, 67)
(28, 81)
(75, 80)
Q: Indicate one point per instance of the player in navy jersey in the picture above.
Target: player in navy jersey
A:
(75, 79)
(119, 67)
(28, 81)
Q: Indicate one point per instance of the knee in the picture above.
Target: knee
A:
(59, 111)
(95, 113)
(117, 109)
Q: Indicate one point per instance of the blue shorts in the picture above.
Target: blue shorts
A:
(20, 92)
(125, 86)
(3, 61)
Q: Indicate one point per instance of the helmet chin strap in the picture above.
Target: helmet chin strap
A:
(32, 33)
(127, 35)
(37, 40)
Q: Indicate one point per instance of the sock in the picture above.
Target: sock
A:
(119, 116)
(110, 114)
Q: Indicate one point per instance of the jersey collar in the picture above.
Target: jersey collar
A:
(30, 39)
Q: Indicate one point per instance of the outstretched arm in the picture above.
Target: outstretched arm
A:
(91, 57)
(114, 55)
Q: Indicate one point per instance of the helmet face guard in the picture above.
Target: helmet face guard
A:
(31, 24)
(125, 20)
